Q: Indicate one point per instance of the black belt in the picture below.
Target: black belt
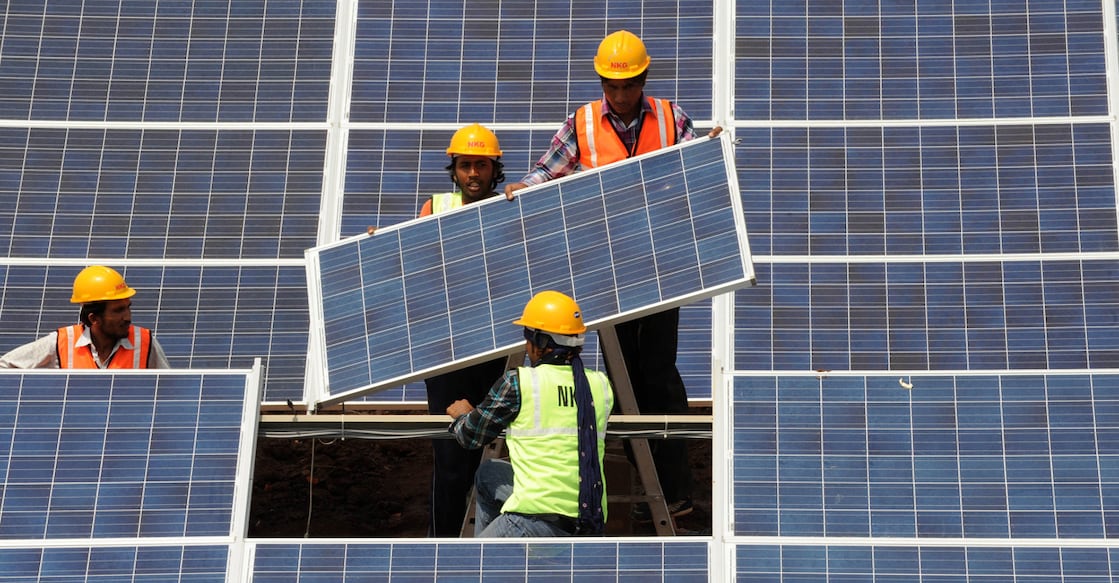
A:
(560, 521)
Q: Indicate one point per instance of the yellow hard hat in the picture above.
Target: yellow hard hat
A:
(98, 283)
(552, 311)
(474, 140)
(621, 55)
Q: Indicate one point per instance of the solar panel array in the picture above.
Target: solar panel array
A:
(112, 475)
(929, 190)
(657, 231)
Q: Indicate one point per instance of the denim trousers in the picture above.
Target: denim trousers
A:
(493, 485)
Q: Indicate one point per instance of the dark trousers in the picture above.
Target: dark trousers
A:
(453, 467)
(648, 346)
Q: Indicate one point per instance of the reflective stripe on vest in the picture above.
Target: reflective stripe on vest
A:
(543, 440)
(69, 356)
(599, 144)
(441, 203)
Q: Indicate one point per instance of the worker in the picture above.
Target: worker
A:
(553, 483)
(626, 123)
(476, 171)
(104, 337)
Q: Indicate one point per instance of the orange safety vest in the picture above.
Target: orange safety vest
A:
(599, 144)
(69, 356)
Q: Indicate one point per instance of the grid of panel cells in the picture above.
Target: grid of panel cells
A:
(155, 563)
(1018, 456)
(928, 190)
(203, 317)
(607, 250)
(977, 315)
(919, 60)
(924, 563)
(160, 194)
(668, 561)
(119, 456)
(516, 62)
(133, 60)
(693, 357)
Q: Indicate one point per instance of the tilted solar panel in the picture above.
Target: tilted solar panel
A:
(657, 231)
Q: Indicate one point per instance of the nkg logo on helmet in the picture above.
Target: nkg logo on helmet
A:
(622, 66)
(475, 144)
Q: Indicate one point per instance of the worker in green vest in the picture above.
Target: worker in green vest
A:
(553, 483)
(475, 170)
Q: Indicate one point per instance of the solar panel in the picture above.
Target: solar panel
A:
(935, 190)
(925, 562)
(159, 194)
(97, 455)
(149, 562)
(389, 176)
(930, 315)
(668, 560)
(167, 62)
(929, 60)
(1007, 456)
(515, 62)
(655, 232)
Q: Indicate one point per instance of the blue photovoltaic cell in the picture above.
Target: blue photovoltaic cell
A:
(204, 317)
(928, 60)
(1018, 456)
(194, 563)
(119, 456)
(962, 564)
(130, 60)
(666, 560)
(928, 190)
(978, 315)
(658, 231)
(236, 194)
(516, 62)
(693, 359)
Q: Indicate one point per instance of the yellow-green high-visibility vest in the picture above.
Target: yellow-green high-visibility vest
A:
(441, 203)
(543, 440)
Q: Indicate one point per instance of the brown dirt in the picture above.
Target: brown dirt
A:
(359, 488)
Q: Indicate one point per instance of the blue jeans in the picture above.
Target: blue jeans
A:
(494, 484)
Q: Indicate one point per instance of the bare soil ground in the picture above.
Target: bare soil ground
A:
(359, 488)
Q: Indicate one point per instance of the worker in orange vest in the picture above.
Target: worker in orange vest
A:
(623, 124)
(104, 337)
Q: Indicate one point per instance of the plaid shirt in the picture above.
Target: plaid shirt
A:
(490, 417)
(562, 158)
